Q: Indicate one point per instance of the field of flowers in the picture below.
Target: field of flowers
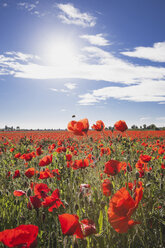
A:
(81, 188)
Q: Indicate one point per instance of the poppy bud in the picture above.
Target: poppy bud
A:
(26, 184)
(137, 175)
(76, 207)
(43, 217)
(128, 169)
(102, 204)
(149, 175)
(29, 192)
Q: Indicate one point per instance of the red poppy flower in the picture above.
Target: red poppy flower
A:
(30, 172)
(77, 164)
(35, 201)
(78, 127)
(41, 190)
(163, 166)
(121, 126)
(107, 187)
(68, 157)
(53, 201)
(112, 167)
(145, 158)
(88, 227)
(70, 225)
(16, 174)
(39, 151)
(161, 151)
(27, 156)
(45, 174)
(106, 151)
(17, 155)
(46, 160)
(19, 192)
(121, 207)
(21, 236)
(99, 125)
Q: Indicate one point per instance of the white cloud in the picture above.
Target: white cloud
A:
(63, 91)
(63, 110)
(31, 7)
(155, 53)
(72, 15)
(26, 5)
(161, 102)
(147, 91)
(53, 89)
(4, 5)
(96, 64)
(145, 118)
(97, 39)
(161, 118)
(70, 86)
(141, 83)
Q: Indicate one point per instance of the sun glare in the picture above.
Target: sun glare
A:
(60, 54)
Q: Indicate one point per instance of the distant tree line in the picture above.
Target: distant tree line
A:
(6, 128)
(144, 127)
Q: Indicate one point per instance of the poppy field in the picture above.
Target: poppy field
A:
(82, 188)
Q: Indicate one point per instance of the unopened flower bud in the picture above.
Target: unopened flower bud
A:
(29, 192)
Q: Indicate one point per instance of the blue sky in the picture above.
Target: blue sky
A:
(95, 59)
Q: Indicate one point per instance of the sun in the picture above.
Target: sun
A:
(60, 54)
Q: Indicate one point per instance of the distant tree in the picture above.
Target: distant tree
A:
(134, 127)
(110, 128)
(152, 127)
(144, 126)
(17, 128)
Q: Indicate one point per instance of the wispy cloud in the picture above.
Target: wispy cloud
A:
(155, 53)
(145, 118)
(138, 83)
(53, 89)
(97, 64)
(71, 15)
(161, 102)
(27, 6)
(4, 5)
(97, 39)
(70, 86)
(147, 91)
(31, 7)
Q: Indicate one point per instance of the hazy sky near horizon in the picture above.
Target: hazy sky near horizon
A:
(94, 59)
